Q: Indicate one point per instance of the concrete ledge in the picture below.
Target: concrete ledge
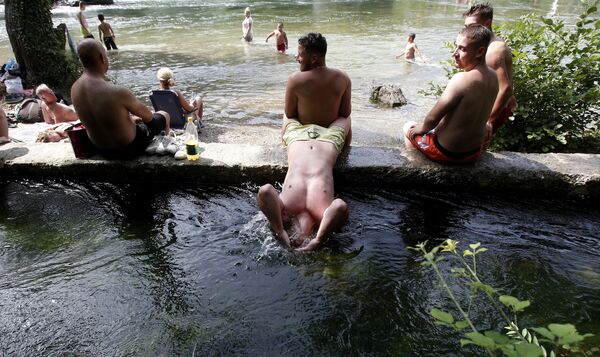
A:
(550, 175)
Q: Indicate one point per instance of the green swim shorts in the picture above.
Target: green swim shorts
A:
(294, 131)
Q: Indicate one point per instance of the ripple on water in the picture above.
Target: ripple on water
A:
(150, 270)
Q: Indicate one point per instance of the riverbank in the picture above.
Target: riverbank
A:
(573, 176)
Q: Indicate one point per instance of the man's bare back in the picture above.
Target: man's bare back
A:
(455, 128)
(105, 108)
(319, 96)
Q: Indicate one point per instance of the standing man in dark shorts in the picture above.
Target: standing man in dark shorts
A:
(106, 34)
(106, 109)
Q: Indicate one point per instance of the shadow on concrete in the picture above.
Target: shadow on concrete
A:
(12, 153)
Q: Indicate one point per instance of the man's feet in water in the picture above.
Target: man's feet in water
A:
(283, 239)
(313, 244)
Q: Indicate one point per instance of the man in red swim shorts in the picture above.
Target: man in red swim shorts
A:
(454, 130)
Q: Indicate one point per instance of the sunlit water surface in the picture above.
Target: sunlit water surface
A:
(134, 270)
(244, 84)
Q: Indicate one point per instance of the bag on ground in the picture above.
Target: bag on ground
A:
(30, 111)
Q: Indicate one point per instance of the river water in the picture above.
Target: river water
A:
(130, 270)
(244, 84)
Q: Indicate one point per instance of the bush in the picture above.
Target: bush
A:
(556, 82)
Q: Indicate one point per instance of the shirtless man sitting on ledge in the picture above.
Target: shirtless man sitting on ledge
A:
(315, 129)
(455, 129)
(106, 109)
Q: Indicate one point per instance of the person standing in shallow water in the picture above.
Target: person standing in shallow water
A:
(106, 34)
(281, 41)
(247, 26)
(411, 48)
(85, 30)
(316, 127)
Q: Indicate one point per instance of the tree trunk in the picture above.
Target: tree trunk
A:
(38, 47)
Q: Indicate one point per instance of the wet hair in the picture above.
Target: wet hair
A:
(484, 11)
(412, 35)
(479, 33)
(314, 43)
(247, 10)
(279, 23)
(100, 17)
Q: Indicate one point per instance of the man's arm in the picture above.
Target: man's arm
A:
(291, 99)
(499, 63)
(346, 102)
(46, 114)
(100, 33)
(134, 106)
(448, 101)
(419, 53)
(111, 31)
(286, 40)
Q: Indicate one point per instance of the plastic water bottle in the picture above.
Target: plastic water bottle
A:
(192, 148)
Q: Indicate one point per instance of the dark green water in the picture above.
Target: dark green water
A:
(133, 270)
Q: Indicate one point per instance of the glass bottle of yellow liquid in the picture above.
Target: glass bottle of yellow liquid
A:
(192, 148)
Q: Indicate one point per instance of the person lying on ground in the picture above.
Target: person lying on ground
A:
(54, 134)
(104, 108)
(196, 106)
(316, 127)
(53, 111)
(456, 127)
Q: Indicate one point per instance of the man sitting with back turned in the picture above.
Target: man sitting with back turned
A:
(315, 128)
(454, 130)
(106, 109)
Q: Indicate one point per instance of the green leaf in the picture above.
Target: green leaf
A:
(467, 253)
(548, 22)
(497, 337)
(478, 339)
(561, 330)
(481, 250)
(474, 246)
(528, 350)
(483, 287)
(544, 332)
(567, 340)
(513, 303)
(442, 316)
(592, 9)
(460, 325)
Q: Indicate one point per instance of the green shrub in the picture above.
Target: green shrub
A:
(556, 82)
(553, 340)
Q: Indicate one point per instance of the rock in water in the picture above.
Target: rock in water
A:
(389, 95)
